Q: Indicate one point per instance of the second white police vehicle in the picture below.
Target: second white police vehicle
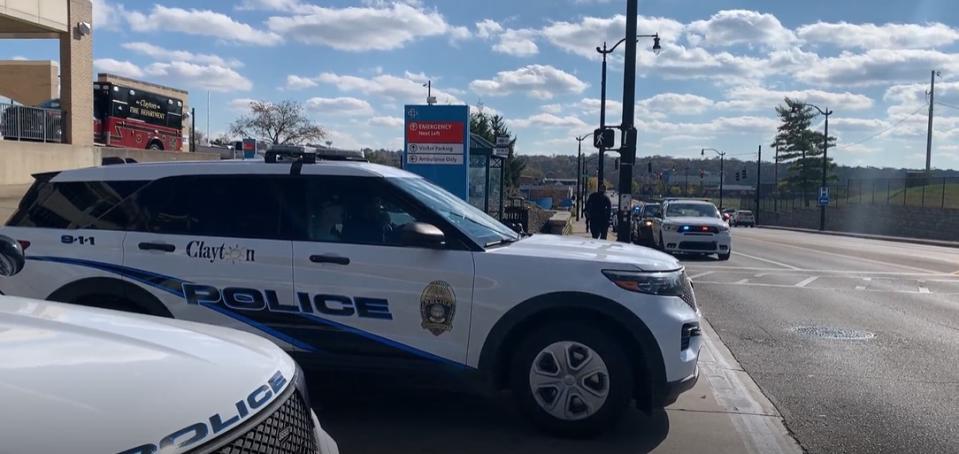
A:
(686, 226)
(354, 265)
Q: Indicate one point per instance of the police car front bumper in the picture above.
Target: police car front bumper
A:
(674, 389)
(697, 243)
(324, 442)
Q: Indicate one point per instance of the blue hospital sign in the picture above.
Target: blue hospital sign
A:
(437, 146)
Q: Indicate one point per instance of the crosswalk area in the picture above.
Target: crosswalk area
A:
(840, 280)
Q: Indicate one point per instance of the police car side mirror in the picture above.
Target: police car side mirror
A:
(421, 234)
(11, 257)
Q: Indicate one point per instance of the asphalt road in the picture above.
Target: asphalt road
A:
(856, 342)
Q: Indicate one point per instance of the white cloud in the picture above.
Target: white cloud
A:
(364, 28)
(459, 33)
(158, 53)
(271, 5)
(340, 106)
(590, 106)
(721, 125)
(537, 81)
(581, 38)
(120, 68)
(200, 22)
(241, 104)
(886, 36)
(676, 104)
(518, 43)
(107, 15)
(294, 82)
(387, 122)
(754, 97)
(209, 77)
(487, 28)
(732, 27)
(877, 67)
(548, 120)
(390, 87)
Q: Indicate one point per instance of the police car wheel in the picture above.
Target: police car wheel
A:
(571, 380)
(725, 257)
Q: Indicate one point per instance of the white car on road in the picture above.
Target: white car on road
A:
(85, 380)
(692, 227)
(353, 265)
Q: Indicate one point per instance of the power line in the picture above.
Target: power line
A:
(939, 103)
(894, 126)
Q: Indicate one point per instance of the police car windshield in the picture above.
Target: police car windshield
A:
(694, 210)
(476, 224)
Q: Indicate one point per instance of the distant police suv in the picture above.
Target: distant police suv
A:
(85, 380)
(350, 264)
(687, 226)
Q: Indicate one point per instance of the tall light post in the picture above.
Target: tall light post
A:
(579, 174)
(825, 163)
(722, 171)
(604, 51)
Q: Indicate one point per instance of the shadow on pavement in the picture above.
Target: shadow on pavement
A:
(368, 417)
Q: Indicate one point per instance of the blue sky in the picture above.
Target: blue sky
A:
(724, 66)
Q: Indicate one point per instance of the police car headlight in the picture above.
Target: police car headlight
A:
(669, 283)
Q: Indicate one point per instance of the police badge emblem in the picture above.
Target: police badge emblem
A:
(437, 307)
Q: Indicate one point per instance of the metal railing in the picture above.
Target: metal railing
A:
(19, 122)
(920, 192)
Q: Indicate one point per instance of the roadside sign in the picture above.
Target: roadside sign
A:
(437, 145)
(824, 196)
(249, 148)
(625, 200)
(604, 138)
(501, 152)
(502, 141)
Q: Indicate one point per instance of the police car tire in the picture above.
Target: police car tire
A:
(612, 354)
(725, 257)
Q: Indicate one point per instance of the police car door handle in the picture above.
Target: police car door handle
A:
(163, 247)
(334, 259)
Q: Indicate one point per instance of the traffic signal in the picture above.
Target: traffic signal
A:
(737, 175)
(702, 173)
(744, 173)
(649, 167)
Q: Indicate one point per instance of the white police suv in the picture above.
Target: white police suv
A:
(354, 265)
(85, 380)
(686, 226)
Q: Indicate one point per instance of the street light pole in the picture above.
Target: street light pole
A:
(602, 111)
(759, 169)
(722, 171)
(825, 163)
(579, 175)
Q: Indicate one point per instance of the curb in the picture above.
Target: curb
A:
(897, 239)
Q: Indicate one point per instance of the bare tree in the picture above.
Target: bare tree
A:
(285, 122)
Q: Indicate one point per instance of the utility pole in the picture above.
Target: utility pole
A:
(209, 104)
(686, 185)
(776, 181)
(628, 144)
(579, 176)
(932, 101)
(601, 171)
(759, 169)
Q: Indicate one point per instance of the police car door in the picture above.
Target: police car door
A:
(370, 297)
(212, 248)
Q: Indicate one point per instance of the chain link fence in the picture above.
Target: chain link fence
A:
(30, 123)
(920, 191)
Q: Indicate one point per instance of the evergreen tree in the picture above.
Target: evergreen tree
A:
(800, 147)
(491, 126)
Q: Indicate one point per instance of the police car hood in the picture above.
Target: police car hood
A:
(695, 220)
(575, 248)
(76, 379)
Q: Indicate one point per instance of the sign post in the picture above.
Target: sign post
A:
(436, 146)
(824, 196)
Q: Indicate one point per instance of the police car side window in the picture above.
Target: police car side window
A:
(351, 211)
(72, 205)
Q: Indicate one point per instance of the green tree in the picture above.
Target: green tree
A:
(800, 147)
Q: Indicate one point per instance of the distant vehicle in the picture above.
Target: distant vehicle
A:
(692, 227)
(130, 118)
(728, 214)
(643, 223)
(108, 381)
(743, 218)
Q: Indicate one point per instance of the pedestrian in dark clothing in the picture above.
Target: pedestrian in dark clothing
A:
(598, 210)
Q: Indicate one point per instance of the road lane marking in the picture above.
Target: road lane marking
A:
(860, 287)
(850, 257)
(773, 262)
(703, 274)
(742, 281)
(807, 281)
(867, 279)
(829, 289)
(923, 290)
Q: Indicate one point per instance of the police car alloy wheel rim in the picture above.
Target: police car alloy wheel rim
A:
(569, 380)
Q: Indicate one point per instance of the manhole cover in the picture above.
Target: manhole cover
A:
(826, 332)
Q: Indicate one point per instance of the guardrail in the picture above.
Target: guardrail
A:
(19, 122)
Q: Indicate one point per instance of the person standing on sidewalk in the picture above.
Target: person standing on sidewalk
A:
(598, 210)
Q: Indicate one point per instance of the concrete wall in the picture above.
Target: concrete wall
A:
(156, 156)
(76, 78)
(34, 16)
(911, 222)
(20, 160)
(29, 82)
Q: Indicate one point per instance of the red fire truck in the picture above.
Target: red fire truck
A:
(132, 118)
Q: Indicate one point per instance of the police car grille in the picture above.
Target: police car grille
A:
(289, 430)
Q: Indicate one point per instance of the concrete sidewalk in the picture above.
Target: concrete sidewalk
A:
(868, 236)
